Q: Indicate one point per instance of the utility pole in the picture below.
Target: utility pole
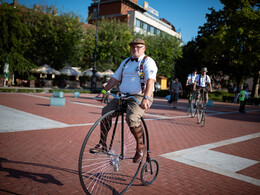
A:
(94, 76)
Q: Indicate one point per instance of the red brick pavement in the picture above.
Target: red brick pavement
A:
(45, 161)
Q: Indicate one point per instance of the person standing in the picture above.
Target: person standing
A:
(176, 88)
(137, 75)
(243, 95)
(200, 84)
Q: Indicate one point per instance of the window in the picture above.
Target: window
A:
(157, 31)
(137, 23)
(145, 26)
(151, 30)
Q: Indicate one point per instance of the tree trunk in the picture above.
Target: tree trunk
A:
(255, 84)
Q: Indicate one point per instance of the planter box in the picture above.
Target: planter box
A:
(210, 103)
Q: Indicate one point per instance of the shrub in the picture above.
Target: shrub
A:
(39, 90)
(255, 101)
(69, 91)
(25, 90)
(7, 90)
(229, 98)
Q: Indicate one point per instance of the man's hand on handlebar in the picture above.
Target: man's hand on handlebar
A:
(100, 97)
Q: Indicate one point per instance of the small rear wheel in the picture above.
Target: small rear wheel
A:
(149, 172)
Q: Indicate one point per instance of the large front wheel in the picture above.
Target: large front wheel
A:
(111, 171)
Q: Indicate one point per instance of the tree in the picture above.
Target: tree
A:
(165, 50)
(230, 40)
(191, 59)
(15, 39)
(57, 39)
(113, 43)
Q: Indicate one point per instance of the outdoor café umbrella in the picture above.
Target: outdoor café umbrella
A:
(45, 69)
(89, 73)
(69, 71)
(108, 73)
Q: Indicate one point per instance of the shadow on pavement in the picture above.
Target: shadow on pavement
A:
(38, 177)
(1, 190)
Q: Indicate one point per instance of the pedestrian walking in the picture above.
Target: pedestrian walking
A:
(243, 95)
(176, 90)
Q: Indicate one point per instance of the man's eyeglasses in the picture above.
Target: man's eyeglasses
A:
(137, 47)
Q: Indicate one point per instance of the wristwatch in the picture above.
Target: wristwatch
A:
(146, 97)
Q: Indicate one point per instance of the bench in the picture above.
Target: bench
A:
(57, 99)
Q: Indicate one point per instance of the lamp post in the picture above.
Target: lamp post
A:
(94, 76)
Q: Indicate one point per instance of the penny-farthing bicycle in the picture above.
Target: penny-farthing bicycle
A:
(190, 109)
(201, 107)
(113, 170)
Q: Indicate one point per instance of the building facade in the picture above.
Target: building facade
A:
(142, 19)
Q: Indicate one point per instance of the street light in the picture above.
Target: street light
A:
(94, 76)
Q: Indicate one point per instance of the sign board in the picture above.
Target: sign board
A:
(146, 5)
(150, 9)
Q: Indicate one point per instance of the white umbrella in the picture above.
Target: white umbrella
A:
(45, 69)
(89, 73)
(69, 71)
(108, 72)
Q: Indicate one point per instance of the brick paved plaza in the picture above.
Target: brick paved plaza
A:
(40, 145)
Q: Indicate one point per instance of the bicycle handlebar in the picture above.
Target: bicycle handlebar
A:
(122, 97)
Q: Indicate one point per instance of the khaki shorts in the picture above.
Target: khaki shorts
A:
(133, 112)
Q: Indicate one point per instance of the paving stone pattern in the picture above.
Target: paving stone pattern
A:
(44, 161)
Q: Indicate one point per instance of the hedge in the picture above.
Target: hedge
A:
(69, 91)
(7, 90)
(25, 90)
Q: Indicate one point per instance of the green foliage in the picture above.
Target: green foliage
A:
(190, 60)
(31, 78)
(15, 39)
(230, 40)
(221, 96)
(164, 50)
(69, 91)
(39, 90)
(113, 43)
(7, 90)
(57, 39)
(25, 90)
(33, 38)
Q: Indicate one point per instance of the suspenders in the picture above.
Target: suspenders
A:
(141, 72)
(205, 81)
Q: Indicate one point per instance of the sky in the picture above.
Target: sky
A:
(185, 15)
